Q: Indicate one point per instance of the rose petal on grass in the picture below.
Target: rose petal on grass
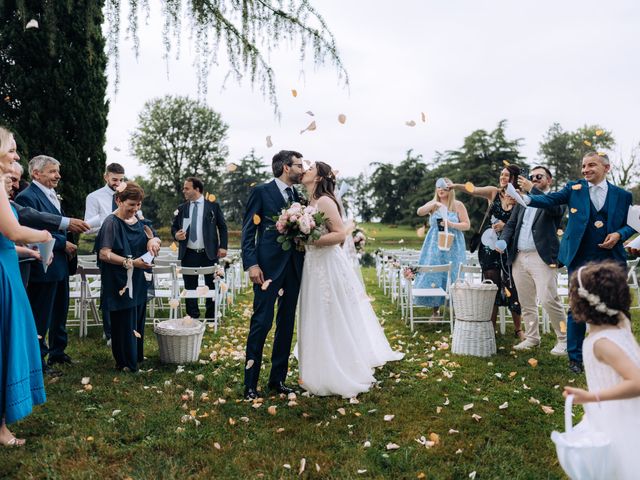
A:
(392, 446)
(216, 445)
(546, 409)
(388, 418)
(468, 406)
(85, 380)
(533, 362)
(504, 405)
(366, 444)
(342, 411)
(303, 464)
(272, 410)
(476, 417)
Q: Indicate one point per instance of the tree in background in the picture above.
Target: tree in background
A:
(52, 89)
(562, 151)
(480, 161)
(178, 137)
(237, 183)
(356, 199)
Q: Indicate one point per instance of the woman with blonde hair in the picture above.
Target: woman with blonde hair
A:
(444, 241)
(21, 383)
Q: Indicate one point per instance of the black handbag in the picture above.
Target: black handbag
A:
(474, 243)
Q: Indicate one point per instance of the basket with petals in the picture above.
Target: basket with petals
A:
(179, 340)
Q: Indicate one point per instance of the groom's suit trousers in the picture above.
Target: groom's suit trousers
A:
(262, 320)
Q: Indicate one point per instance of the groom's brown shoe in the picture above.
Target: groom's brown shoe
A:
(280, 387)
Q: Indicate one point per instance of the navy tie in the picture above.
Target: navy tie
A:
(193, 232)
(289, 194)
(114, 205)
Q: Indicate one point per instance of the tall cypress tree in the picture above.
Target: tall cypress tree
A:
(53, 88)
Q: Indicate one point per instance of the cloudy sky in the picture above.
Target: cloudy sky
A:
(466, 63)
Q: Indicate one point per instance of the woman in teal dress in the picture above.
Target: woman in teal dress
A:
(21, 383)
(457, 222)
(122, 241)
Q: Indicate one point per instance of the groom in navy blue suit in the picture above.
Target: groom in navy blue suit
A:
(596, 230)
(266, 261)
(49, 291)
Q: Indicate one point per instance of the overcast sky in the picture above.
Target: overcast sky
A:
(466, 63)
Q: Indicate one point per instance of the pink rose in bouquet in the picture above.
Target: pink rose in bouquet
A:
(298, 226)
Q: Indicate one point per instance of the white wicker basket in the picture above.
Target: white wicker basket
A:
(473, 338)
(473, 302)
(179, 340)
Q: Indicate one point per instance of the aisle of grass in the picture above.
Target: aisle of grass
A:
(143, 426)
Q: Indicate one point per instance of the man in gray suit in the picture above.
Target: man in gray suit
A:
(532, 239)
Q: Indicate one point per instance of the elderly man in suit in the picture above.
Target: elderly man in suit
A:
(265, 259)
(202, 242)
(533, 254)
(596, 229)
(49, 291)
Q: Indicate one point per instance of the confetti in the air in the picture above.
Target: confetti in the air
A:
(342, 118)
(311, 127)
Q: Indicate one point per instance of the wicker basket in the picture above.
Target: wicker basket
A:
(473, 302)
(473, 338)
(179, 340)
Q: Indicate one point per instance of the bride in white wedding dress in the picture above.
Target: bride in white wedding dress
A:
(340, 341)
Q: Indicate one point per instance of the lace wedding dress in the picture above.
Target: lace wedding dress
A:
(339, 338)
(619, 419)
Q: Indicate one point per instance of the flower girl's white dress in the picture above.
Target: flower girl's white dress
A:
(619, 419)
(340, 340)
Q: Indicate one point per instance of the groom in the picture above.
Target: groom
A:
(266, 261)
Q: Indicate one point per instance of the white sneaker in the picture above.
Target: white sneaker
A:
(526, 344)
(560, 350)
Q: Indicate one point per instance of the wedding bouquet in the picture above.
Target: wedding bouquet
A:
(298, 225)
(359, 239)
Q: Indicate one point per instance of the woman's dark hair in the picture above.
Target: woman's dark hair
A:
(196, 183)
(132, 191)
(282, 158)
(514, 172)
(607, 280)
(327, 183)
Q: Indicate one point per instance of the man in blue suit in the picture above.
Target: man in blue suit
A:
(596, 230)
(266, 261)
(49, 291)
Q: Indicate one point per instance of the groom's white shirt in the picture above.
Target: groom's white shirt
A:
(283, 186)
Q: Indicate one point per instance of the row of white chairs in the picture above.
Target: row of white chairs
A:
(168, 290)
(391, 264)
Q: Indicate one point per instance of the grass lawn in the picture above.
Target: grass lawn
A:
(143, 426)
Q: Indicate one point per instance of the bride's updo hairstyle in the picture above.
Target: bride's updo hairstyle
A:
(327, 184)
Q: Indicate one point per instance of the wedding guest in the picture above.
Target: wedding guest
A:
(596, 229)
(531, 234)
(433, 253)
(49, 291)
(599, 295)
(494, 265)
(21, 379)
(202, 243)
(17, 184)
(122, 241)
(102, 202)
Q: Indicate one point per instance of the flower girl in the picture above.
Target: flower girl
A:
(599, 295)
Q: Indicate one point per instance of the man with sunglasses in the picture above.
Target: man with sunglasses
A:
(533, 254)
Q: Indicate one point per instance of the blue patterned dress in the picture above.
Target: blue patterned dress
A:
(21, 384)
(432, 255)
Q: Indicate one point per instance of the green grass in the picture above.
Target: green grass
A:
(390, 236)
(76, 434)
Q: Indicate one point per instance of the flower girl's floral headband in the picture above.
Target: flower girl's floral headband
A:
(593, 299)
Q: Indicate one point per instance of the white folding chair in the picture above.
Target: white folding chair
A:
(414, 293)
(632, 280)
(213, 293)
(90, 295)
(165, 287)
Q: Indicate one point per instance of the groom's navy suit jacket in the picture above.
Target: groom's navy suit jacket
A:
(579, 202)
(259, 244)
(35, 198)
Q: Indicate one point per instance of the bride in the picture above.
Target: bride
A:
(339, 338)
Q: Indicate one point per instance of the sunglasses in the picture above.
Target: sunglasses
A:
(537, 176)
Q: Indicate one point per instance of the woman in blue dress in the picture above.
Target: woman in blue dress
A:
(21, 383)
(431, 254)
(122, 241)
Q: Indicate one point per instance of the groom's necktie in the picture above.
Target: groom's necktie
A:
(289, 191)
(193, 226)
(114, 205)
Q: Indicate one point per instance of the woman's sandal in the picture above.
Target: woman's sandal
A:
(14, 442)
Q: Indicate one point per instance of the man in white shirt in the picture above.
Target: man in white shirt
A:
(533, 247)
(100, 203)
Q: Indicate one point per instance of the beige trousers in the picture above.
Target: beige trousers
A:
(535, 279)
